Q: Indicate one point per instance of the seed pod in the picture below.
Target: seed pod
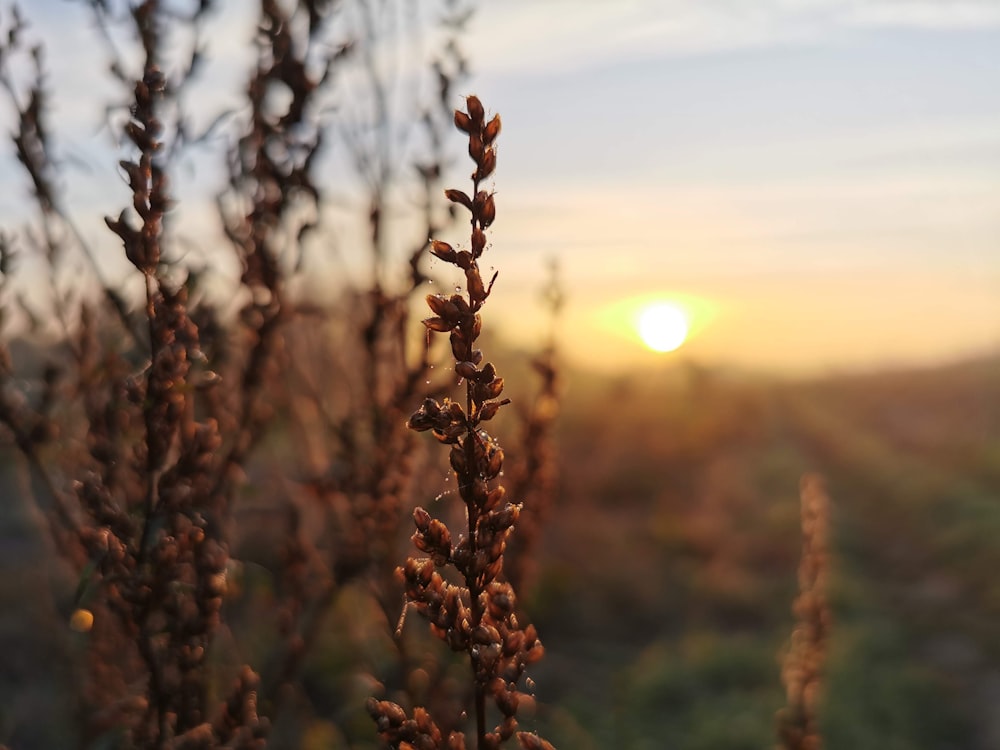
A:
(501, 588)
(419, 422)
(502, 520)
(462, 121)
(458, 196)
(442, 306)
(481, 635)
(494, 568)
(137, 176)
(493, 388)
(455, 411)
(393, 712)
(507, 702)
(478, 242)
(440, 535)
(494, 498)
(480, 394)
(513, 642)
(495, 463)
(438, 324)
(492, 129)
(421, 518)
(477, 290)
(445, 439)
(425, 725)
(466, 369)
(478, 492)
(427, 573)
(476, 148)
(140, 137)
(443, 250)
(487, 164)
(475, 110)
(460, 347)
(421, 542)
(488, 212)
(479, 562)
(489, 410)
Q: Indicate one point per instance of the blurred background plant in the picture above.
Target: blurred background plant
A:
(224, 436)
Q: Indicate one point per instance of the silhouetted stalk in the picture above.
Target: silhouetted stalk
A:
(477, 617)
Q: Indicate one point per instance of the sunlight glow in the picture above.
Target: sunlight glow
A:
(663, 326)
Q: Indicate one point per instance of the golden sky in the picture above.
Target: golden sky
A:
(820, 181)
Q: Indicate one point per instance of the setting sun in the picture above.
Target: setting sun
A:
(663, 326)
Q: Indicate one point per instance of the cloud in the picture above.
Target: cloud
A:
(522, 35)
(925, 14)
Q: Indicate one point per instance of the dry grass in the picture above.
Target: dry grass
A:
(798, 721)
(476, 616)
(143, 431)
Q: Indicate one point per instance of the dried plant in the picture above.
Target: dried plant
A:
(798, 721)
(140, 433)
(476, 616)
(159, 531)
(142, 522)
(263, 211)
(32, 142)
(353, 469)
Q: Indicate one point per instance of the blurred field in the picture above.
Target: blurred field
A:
(668, 570)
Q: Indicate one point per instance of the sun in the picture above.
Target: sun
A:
(662, 326)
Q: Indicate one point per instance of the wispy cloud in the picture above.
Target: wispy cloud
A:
(925, 14)
(565, 34)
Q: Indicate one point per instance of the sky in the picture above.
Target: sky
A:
(818, 182)
(815, 182)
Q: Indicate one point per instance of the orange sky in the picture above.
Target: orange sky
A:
(818, 313)
(820, 180)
